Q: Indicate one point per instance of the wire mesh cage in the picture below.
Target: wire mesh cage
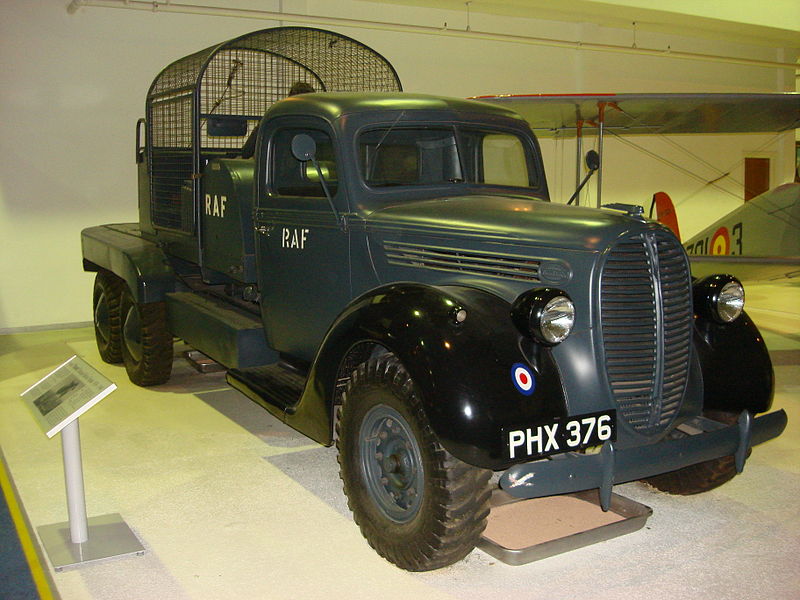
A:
(236, 82)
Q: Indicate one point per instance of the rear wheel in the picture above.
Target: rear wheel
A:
(146, 341)
(416, 504)
(701, 477)
(106, 298)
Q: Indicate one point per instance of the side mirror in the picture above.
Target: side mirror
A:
(592, 160)
(592, 163)
(304, 147)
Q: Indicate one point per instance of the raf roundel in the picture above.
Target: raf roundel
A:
(523, 379)
(721, 242)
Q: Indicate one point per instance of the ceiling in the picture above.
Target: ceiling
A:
(773, 23)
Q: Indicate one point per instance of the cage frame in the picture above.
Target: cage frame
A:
(177, 147)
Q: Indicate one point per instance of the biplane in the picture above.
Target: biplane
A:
(758, 240)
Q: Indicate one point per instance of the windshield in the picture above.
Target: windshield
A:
(437, 155)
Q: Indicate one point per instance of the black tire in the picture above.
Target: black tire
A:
(419, 507)
(106, 298)
(702, 477)
(146, 341)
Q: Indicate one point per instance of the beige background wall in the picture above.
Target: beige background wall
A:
(72, 87)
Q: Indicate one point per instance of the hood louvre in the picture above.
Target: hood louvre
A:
(503, 266)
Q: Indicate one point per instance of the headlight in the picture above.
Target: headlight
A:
(720, 297)
(545, 314)
(730, 301)
(557, 319)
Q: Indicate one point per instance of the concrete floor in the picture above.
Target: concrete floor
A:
(229, 503)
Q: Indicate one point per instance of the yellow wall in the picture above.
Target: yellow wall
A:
(72, 87)
(781, 14)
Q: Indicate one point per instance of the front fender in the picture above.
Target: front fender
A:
(463, 371)
(737, 370)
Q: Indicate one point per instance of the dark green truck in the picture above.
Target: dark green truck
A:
(385, 271)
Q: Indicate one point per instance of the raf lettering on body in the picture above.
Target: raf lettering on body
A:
(215, 205)
(294, 238)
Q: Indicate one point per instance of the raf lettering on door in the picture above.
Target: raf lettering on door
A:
(294, 238)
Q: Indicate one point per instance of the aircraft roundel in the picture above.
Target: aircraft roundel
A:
(721, 242)
(523, 379)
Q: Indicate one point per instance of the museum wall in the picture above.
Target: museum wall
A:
(73, 86)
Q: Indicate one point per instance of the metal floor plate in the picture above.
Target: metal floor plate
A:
(109, 537)
(523, 531)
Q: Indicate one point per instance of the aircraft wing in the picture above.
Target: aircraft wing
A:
(561, 115)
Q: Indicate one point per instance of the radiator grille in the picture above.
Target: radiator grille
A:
(646, 316)
(504, 266)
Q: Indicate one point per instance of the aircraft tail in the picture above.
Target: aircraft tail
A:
(665, 212)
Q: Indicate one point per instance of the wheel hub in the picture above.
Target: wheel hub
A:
(391, 463)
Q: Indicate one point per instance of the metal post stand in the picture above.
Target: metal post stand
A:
(81, 540)
(73, 476)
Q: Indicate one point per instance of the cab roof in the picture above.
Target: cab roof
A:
(332, 106)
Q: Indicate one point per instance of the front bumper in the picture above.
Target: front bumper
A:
(572, 472)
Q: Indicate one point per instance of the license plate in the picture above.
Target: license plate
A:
(564, 435)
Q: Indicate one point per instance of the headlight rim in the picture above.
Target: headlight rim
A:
(707, 294)
(528, 309)
(718, 304)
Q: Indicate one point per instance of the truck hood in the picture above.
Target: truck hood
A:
(505, 219)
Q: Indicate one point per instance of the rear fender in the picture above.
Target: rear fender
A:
(141, 263)
(463, 370)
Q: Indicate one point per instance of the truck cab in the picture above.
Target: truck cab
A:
(376, 154)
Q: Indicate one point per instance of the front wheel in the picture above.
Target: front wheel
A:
(146, 341)
(416, 504)
(701, 477)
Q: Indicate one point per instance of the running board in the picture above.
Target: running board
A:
(229, 335)
(277, 387)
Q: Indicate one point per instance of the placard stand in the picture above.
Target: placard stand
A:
(73, 475)
(57, 401)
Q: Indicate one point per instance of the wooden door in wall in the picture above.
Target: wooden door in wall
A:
(756, 177)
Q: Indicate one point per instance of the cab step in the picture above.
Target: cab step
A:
(274, 386)
(202, 363)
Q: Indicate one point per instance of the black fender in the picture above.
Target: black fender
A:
(141, 263)
(737, 370)
(463, 370)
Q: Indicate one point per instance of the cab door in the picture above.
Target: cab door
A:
(302, 251)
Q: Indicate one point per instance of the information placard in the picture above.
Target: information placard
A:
(65, 394)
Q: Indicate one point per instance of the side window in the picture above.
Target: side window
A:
(291, 177)
(504, 161)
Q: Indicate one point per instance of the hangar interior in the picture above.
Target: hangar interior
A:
(227, 501)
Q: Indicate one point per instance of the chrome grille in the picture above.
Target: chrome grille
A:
(505, 266)
(646, 315)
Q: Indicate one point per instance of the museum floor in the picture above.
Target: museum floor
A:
(229, 503)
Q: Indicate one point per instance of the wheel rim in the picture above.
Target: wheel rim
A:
(132, 333)
(391, 463)
(102, 318)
